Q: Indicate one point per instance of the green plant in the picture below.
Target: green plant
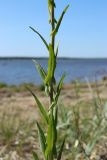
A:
(8, 128)
(85, 124)
(13, 129)
(48, 137)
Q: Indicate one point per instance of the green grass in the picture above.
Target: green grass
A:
(15, 132)
(84, 125)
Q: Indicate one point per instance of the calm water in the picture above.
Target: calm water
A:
(17, 71)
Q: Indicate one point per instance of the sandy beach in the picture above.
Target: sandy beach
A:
(18, 108)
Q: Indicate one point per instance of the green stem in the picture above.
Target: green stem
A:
(53, 26)
(53, 44)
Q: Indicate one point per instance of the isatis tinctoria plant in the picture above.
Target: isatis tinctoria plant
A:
(48, 137)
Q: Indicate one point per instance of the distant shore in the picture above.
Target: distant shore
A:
(72, 87)
(33, 57)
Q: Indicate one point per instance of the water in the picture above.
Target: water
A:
(17, 71)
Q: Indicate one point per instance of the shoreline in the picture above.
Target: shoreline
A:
(80, 81)
(66, 58)
(69, 90)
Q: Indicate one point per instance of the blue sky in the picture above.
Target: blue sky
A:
(83, 32)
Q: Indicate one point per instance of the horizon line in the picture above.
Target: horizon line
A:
(37, 57)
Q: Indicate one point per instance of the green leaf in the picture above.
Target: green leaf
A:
(58, 92)
(51, 65)
(50, 136)
(61, 150)
(56, 116)
(35, 156)
(59, 87)
(43, 75)
(50, 4)
(90, 146)
(40, 106)
(44, 41)
(55, 123)
(59, 21)
(40, 70)
(42, 138)
(57, 49)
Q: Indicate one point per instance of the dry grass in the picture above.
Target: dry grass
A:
(18, 112)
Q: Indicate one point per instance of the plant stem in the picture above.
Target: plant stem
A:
(53, 25)
(53, 44)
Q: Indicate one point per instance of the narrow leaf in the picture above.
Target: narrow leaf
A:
(57, 49)
(61, 150)
(42, 138)
(54, 103)
(40, 106)
(61, 82)
(50, 4)
(40, 70)
(59, 21)
(59, 87)
(51, 65)
(55, 123)
(35, 156)
(44, 41)
(50, 136)
(43, 75)
(56, 116)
